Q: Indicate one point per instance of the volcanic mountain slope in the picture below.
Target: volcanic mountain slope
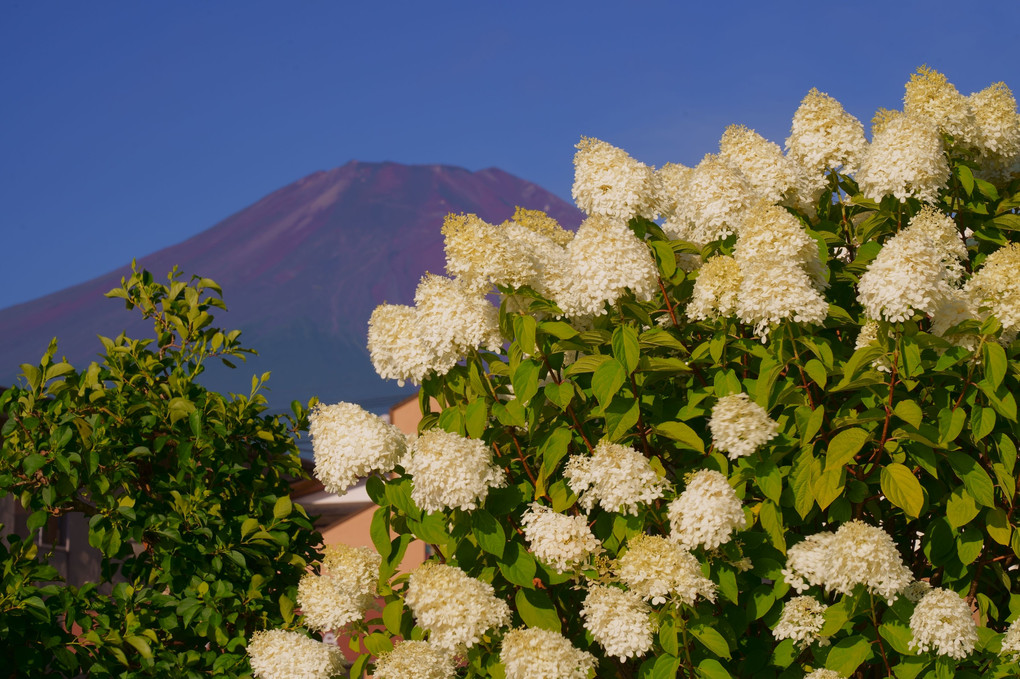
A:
(301, 270)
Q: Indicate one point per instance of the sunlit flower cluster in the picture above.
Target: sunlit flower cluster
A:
(615, 476)
(716, 289)
(740, 426)
(1011, 642)
(998, 136)
(416, 660)
(707, 512)
(942, 622)
(454, 608)
(996, 286)
(560, 541)
(823, 673)
(905, 160)
(801, 620)
(772, 175)
(655, 568)
(344, 590)
(929, 94)
(855, 554)
(279, 654)
(451, 471)
(350, 443)
(609, 183)
(712, 206)
(619, 621)
(542, 654)
(825, 137)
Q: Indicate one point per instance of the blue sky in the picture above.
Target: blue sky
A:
(130, 126)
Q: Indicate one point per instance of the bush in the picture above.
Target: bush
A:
(186, 492)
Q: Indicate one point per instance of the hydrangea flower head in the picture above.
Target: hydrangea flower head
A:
(654, 568)
(905, 160)
(350, 443)
(558, 540)
(451, 471)
(617, 477)
(942, 622)
(618, 620)
(543, 654)
(609, 183)
(280, 654)
(454, 608)
(707, 512)
(740, 426)
(416, 660)
(801, 620)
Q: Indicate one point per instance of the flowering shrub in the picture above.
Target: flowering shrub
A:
(756, 418)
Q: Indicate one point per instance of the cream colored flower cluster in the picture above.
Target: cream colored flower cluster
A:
(716, 289)
(619, 621)
(823, 673)
(930, 95)
(905, 159)
(709, 204)
(740, 426)
(706, 513)
(451, 471)
(801, 620)
(609, 183)
(654, 568)
(343, 592)
(557, 540)
(996, 287)
(454, 608)
(781, 273)
(543, 654)
(942, 622)
(279, 654)
(771, 175)
(915, 270)
(1011, 642)
(617, 477)
(350, 443)
(416, 660)
(450, 318)
(855, 554)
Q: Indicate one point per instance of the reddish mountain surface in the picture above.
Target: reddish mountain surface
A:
(301, 271)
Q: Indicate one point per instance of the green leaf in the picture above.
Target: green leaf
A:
(909, 412)
(33, 463)
(843, 447)
(974, 477)
(950, 424)
(1009, 222)
(960, 509)
(997, 525)
(248, 526)
(140, 644)
(392, 616)
(682, 434)
(488, 532)
(982, 422)
(378, 643)
(817, 372)
(537, 609)
(898, 635)
(772, 521)
(518, 566)
(847, 655)
(586, 364)
(524, 331)
(626, 348)
(969, 543)
(828, 487)
(283, 507)
(994, 363)
(286, 608)
(768, 478)
(36, 520)
(525, 381)
(607, 380)
(966, 178)
(180, 408)
(902, 488)
(668, 637)
(710, 668)
(711, 638)
(557, 329)
(664, 257)
(621, 415)
(476, 416)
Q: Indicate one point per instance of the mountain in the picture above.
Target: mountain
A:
(301, 271)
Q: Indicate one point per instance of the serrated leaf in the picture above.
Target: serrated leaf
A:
(902, 488)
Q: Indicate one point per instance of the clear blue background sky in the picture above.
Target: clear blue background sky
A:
(129, 126)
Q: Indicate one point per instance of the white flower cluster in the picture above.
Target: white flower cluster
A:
(654, 568)
(279, 654)
(716, 289)
(825, 137)
(350, 443)
(450, 471)
(711, 203)
(780, 269)
(801, 620)
(560, 541)
(707, 512)
(930, 95)
(771, 175)
(343, 592)
(416, 660)
(996, 287)
(609, 183)
(998, 135)
(914, 271)
(454, 608)
(618, 620)
(856, 554)
(542, 654)
(740, 426)
(942, 622)
(905, 160)
(1011, 642)
(617, 477)
(603, 261)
